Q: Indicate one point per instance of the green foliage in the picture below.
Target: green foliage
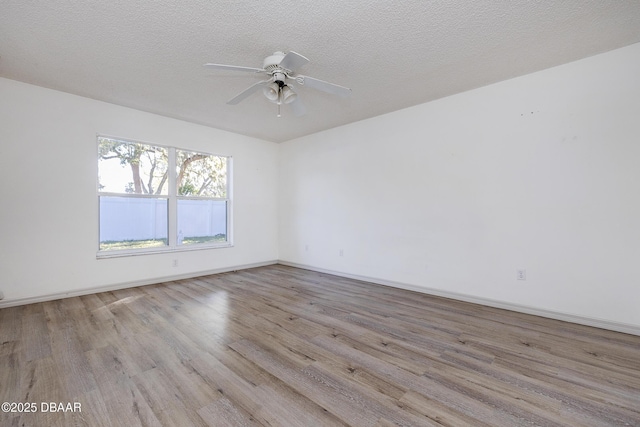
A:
(148, 164)
(201, 174)
(198, 174)
(187, 189)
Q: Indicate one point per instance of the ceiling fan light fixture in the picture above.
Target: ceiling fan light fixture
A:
(288, 95)
(272, 92)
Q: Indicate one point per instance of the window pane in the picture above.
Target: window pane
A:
(201, 174)
(202, 221)
(129, 167)
(132, 222)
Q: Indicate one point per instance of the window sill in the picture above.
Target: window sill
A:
(136, 252)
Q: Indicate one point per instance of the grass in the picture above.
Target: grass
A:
(112, 245)
(218, 238)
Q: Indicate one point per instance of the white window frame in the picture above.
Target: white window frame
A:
(172, 202)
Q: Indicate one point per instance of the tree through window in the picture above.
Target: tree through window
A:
(144, 204)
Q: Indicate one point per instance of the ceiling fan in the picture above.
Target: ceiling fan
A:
(281, 69)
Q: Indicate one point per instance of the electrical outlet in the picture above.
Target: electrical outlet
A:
(341, 252)
(306, 248)
(175, 263)
(521, 274)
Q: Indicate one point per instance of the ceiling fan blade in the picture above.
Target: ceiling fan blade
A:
(298, 107)
(292, 61)
(234, 68)
(248, 91)
(331, 88)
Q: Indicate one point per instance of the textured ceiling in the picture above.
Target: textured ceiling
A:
(393, 54)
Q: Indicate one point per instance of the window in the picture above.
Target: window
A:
(156, 198)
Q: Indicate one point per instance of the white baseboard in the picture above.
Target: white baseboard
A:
(125, 285)
(581, 320)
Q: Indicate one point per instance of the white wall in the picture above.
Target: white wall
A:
(49, 206)
(541, 172)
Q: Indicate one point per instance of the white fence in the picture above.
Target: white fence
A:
(130, 218)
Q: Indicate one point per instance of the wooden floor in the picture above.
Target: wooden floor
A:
(282, 346)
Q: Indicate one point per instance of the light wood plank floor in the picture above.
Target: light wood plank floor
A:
(282, 346)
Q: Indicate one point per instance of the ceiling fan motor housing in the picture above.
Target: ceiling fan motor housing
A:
(273, 62)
